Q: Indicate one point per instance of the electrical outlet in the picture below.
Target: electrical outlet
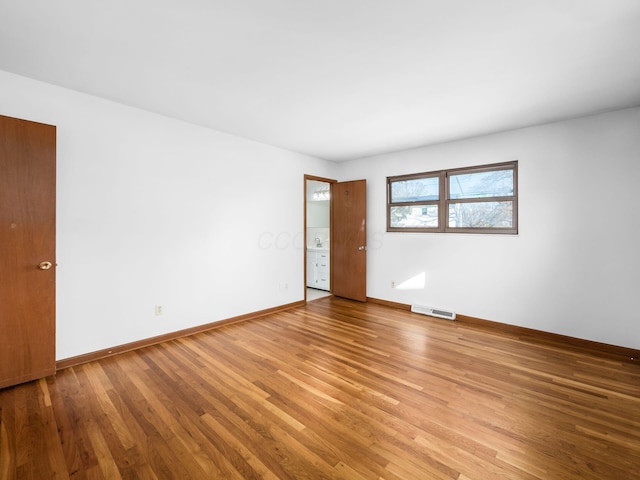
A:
(283, 286)
(393, 284)
(158, 310)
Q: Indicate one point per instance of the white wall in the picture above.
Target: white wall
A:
(153, 210)
(574, 268)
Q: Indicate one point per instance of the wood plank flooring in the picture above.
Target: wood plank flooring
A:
(332, 390)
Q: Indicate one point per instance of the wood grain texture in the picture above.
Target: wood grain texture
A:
(108, 352)
(349, 239)
(27, 237)
(332, 390)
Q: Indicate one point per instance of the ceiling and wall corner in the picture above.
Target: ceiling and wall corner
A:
(153, 211)
(149, 200)
(336, 79)
(573, 267)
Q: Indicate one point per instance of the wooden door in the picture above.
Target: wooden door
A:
(349, 240)
(27, 250)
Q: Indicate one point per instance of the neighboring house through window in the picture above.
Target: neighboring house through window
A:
(481, 199)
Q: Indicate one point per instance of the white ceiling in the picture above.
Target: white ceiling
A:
(337, 79)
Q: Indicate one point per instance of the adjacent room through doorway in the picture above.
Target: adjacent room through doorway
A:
(318, 237)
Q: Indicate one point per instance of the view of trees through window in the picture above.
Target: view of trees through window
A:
(420, 197)
(472, 200)
(481, 215)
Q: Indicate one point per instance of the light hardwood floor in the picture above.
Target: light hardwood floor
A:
(335, 389)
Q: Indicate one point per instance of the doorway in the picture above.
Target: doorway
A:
(335, 236)
(317, 234)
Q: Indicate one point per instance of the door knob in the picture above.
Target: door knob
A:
(45, 265)
(362, 247)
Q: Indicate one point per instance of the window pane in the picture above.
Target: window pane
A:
(498, 183)
(481, 215)
(415, 190)
(415, 216)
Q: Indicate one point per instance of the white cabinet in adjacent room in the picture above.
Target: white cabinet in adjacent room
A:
(318, 272)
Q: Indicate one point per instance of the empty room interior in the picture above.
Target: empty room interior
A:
(346, 239)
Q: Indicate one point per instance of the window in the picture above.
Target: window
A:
(481, 199)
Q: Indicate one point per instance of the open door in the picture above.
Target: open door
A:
(27, 250)
(349, 240)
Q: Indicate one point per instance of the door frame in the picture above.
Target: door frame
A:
(330, 181)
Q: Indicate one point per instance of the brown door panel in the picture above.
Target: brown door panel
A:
(27, 239)
(349, 240)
